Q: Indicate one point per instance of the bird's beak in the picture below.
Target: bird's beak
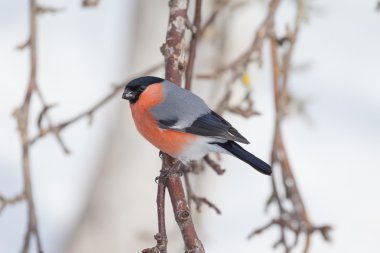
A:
(128, 95)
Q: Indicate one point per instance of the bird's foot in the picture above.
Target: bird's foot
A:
(176, 169)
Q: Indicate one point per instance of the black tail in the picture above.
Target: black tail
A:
(247, 157)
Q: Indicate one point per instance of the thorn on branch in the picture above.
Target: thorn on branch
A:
(260, 229)
(196, 167)
(192, 197)
(325, 232)
(214, 165)
(244, 111)
(23, 45)
(161, 246)
(45, 114)
(45, 10)
(270, 200)
(283, 40)
(4, 202)
(191, 26)
(202, 200)
(42, 114)
(90, 3)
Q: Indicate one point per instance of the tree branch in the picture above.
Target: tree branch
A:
(199, 201)
(4, 202)
(214, 165)
(22, 117)
(244, 58)
(88, 113)
(294, 218)
(160, 237)
(193, 44)
(173, 51)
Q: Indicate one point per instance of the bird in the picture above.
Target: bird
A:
(180, 124)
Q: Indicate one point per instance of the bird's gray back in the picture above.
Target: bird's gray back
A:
(179, 106)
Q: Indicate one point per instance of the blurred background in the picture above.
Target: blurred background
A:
(101, 198)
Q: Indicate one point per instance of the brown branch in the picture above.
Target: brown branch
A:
(211, 19)
(45, 9)
(244, 111)
(44, 114)
(173, 51)
(23, 45)
(259, 230)
(243, 59)
(160, 237)
(199, 201)
(193, 44)
(4, 202)
(181, 209)
(90, 3)
(214, 165)
(88, 113)
(295, 218)
(22, 117)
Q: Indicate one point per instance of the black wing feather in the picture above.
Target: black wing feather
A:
(213, 125)
(209, 125)
(167, 123)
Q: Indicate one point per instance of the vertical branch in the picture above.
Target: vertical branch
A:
(22, 116)
(161, 210)
(173, 48)
(161, 238)
(173, 51)
(292, 218)
(193, 44)
(33, 54)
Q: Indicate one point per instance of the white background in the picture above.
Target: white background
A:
(335, 155)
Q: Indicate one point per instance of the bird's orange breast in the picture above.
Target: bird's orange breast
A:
(169, 141)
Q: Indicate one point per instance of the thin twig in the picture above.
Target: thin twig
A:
(160, 237)
(45, 10)
(244, 58)
(214, 165)
(44, 114)
(90, 111)
(193, 44)
(199, 201)
(294, 218)
(22, 117)
(90, 3)
(4, 202)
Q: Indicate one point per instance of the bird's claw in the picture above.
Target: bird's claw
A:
(165, 174)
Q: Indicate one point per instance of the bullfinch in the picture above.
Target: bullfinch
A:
(180, 123)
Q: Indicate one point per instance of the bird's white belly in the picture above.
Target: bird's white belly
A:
(199, 148)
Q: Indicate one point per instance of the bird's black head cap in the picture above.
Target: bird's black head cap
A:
(135, 87)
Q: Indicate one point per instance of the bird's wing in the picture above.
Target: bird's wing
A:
(185, 112)
(212, 125)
